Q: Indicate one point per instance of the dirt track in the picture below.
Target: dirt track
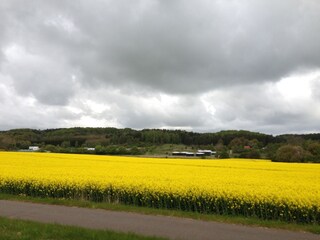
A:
(171, 227)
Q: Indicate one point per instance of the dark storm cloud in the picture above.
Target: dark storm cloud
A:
(183, 46)
(172, 46)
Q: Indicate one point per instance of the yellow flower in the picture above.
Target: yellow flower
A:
(248, 187)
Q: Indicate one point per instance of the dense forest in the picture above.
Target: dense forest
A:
(231, 143)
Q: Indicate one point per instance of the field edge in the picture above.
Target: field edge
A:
(249, 221)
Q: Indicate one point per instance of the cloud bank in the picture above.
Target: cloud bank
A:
(201, 66)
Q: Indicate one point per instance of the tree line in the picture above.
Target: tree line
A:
(230, 143)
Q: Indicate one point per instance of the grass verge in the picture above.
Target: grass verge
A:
(314, 228)
(12, 229)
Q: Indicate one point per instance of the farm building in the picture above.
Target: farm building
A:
(186, 154)
(206, 152)
(90, 149)
(34, 148)
(199, 153)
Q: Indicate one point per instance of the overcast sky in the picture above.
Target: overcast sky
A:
(204, 65)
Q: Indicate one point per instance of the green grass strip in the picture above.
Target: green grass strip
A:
(11, 229)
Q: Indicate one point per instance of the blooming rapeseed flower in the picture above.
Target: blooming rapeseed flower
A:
(285, 191)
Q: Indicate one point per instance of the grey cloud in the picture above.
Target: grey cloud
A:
(46, 79)
(148, 111)
(316, 88)
(22, 112)
(126, 53)
(132, 113)
(262, 108)
(188, 112)
(187, 47)
(38, 66)
(178, 46)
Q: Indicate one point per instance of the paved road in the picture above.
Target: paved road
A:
(170, 227)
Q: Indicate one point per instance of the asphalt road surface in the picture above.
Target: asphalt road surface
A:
(170, 227)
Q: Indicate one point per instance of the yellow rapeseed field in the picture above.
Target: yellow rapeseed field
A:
(285, 191)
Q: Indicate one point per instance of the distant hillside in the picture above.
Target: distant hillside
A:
(91, 137)
(229, 143)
